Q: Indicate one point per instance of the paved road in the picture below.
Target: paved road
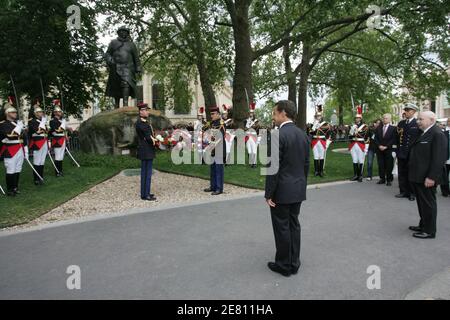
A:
(221, 251)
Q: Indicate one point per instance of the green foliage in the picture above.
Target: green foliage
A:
(36, 44)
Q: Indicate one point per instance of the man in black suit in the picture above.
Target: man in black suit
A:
(385, 136)
(426, 161)
(445, 189)
(408, 131)
(145, 151)
(286, 188)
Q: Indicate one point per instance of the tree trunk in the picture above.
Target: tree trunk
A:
(205, 81)
(290, 75)
(207, 87)
(341, 114)
(242, 80)
(303, 87)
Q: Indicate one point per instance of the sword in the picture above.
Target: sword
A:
(61, 93)
(3, 191)
(51, 159)
(73, 159)
(43, 96)
(15, 94)
(34, 170)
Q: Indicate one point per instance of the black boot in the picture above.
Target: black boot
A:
(321, 162)
(316, 168)
(41, 173)
(355, 172)
(58, 165)
(16, 183)
(360, 173)
(35, 177)
(10, 185)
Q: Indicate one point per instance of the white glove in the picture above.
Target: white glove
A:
(366, 148)
(19, 127)
(394, 154)
(26, 153)
(63, 124)
(43, 123)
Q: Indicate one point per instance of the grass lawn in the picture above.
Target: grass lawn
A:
(37, 200)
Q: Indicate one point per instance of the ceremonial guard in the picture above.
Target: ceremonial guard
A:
(229, 132)
(198, 134)
(407, 132)
(13, 148)
(146, 151)
(215, 140)
(320, 141)
(251, 136)
(359, 145)
(58, 138)
(37, 137)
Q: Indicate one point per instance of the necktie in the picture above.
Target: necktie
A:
(384, 130)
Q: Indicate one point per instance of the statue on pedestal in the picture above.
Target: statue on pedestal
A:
(122, 58)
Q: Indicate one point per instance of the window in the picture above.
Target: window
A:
(158, 101)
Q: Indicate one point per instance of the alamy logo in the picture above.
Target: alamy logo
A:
(374, 21)
(74, 280)
(374, 280)
(74, 18)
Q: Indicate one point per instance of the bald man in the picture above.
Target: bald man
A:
(425, 166)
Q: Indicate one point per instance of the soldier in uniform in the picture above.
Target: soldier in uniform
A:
(37, 137)
(146, 151)
(320, 140)
(359, 145)
(229, 134)
(57, 135)
(13, 148)
(407, 132)
(198, 134)
(216, 143)
(251, 137)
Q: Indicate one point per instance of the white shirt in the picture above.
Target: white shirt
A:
(289, 121)
(425, 131)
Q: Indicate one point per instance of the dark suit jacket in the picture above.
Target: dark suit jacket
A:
(389, 138)
(426, 156)
(411, 132)
(146, 149)
(288, 185)
(447, 136)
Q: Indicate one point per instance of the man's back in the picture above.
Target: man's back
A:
(289, 184)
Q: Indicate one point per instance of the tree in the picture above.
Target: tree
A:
(37, 45)
(177, 35)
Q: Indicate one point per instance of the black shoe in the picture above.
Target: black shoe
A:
(208, 190)
(445, 195)
(275, 268)
(402, 195)
(381, 182)
(416, 229)
(389, 183)
(149, 198)
(11, 194)
(424, 235)
(411, 198)
(215, 193)
(16, 191)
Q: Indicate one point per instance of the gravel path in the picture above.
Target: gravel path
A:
(121, 193)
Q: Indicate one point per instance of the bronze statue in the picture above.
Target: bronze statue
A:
(123, 62)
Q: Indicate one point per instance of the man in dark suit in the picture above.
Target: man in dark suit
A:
(385, 136)
(408, 131)
(445, 183)
(286, 188)
(146, 151)
(426, 161)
